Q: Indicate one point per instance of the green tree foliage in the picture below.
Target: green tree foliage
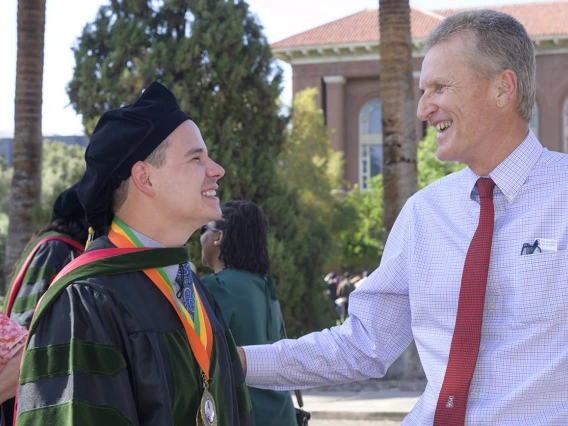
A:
(5, 181)
(310, 167)
(62, 166)
(213, 55)
(364, 243)
(429, 167)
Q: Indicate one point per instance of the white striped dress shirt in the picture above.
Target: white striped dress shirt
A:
(521, 376)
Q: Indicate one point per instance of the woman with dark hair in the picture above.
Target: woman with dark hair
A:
(236, 248)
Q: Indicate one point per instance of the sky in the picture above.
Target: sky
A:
(65, 20)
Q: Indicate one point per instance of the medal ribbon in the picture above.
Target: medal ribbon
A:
(199, 332)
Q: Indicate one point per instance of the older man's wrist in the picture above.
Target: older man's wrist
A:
(243, 358)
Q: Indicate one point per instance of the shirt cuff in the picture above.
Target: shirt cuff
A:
(261, 364)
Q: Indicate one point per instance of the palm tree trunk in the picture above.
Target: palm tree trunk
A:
(26, 183)
(399, 136)
(399, 108)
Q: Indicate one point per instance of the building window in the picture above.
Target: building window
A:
(566, 125)
(370, 142)
(534, 120)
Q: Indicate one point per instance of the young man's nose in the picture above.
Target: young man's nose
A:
(215, 170)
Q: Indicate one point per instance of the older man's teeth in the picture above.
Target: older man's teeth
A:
(209, 193)
(443, 126)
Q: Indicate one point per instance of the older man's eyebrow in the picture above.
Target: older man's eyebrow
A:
(193, 151)
(433, 82)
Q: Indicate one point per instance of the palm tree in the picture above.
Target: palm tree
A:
(26, 183)
(399, 134)
(399, 108)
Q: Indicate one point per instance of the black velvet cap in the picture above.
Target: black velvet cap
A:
(122, 137)
(67, 206)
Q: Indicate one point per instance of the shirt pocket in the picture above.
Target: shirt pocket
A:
(541, 288)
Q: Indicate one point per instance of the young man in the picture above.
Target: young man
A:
(135, 339)
(475, 268)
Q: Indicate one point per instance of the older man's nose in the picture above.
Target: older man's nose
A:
(425, 108)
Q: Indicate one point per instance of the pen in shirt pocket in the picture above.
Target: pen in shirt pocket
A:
(529, 248)
(540, 245)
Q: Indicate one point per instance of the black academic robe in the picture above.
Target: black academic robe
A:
(46, 262)
(111, 350)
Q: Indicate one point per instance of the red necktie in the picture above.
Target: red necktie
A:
(452, 401)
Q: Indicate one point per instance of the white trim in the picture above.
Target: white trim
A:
(370, 51)
(540, 39)
(326, 59)
(330, 59)
(334, 79)
(560, 51)
(365, 141)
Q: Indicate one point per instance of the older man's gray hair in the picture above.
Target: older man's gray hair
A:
(495, 42)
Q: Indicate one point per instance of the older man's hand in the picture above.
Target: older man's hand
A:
(243, 358)
(9, 377)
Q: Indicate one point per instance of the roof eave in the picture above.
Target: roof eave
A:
(334, 52)
(361, 51)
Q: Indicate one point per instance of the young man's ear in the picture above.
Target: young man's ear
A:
(506, 88)
(141, 178)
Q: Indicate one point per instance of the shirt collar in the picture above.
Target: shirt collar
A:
(511, 174)
(171, 270)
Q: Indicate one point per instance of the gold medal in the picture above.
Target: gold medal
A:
(207, 414)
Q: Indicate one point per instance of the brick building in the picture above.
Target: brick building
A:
(342, 60)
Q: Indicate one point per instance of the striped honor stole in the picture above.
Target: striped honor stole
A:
(198, 329)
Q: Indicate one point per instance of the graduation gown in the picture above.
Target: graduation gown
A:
(111, 350)
(47, 261)
(49, 258)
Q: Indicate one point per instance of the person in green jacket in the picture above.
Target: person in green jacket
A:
(236, 248)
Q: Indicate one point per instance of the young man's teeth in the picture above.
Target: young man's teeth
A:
(443, 126)
(209, 193)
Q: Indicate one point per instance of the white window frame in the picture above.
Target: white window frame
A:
(366, 139)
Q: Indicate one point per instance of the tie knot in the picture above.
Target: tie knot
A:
(485, 187)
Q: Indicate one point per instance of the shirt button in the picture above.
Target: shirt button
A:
(474, 394)
(511, 197)
(483, 348)
(492, 306)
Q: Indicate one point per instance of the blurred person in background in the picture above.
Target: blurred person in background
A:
(235, 247)
(52, 247)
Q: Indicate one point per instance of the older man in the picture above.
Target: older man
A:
(475, 268)
(127, 334)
